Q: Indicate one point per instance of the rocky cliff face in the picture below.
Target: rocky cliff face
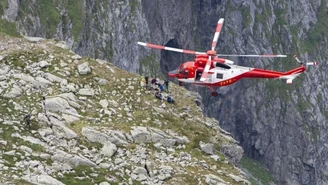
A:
(105, 126)
(283, 126)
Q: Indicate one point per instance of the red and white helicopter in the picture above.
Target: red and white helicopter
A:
(209, 70)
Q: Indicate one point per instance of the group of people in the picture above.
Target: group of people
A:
(159, 88)
(156, 84)
(160, 96)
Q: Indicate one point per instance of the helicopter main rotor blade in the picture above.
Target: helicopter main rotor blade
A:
(217, 33)
(206, 69)
(170, 49)
(265, 55)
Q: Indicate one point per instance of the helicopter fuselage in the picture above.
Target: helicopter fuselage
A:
(221, 74)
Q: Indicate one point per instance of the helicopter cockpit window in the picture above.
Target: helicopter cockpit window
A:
(180, 70)
(219, 75)
(186, 73)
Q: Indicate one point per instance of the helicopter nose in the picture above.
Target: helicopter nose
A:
(173, 73)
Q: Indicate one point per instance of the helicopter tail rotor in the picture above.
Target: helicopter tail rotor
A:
(311, 63)
(307, 64)
(298, 60)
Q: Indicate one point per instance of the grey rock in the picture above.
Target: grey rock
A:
(108, 149)
(141, 135)
(34, 39)
(207, 147)
(3, 142)
(4, 69)
(31, 139)
(11, 152)
(168, 142)
(214, 180)
(62, 44)
(58, 104)
(86, 92)
(139, 174)
(233, 152)
(72, 160)
(84, 68)
(42, 82)
(113, 103)
(104, 165)
(76, 57)
(43, 64)
(215, 157)
(54, 78)
(116, 137)
(70, 118)
(103, 103)
(42, 179)
(26, 149)
(14, 92)
(104, 183)
(165, 173)
(239, 179)
(61, 131)
(102, 81)
(45, 156)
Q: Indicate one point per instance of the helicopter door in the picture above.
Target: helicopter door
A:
(186, 73)
(198, 75)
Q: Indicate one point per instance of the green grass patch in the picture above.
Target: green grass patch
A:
(9, 28)
(257, 170)
(318, 33)
(49, 17)
(85, 171)
(75, 13)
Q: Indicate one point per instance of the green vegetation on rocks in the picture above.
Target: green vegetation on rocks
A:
(106, 127)
(259, 174)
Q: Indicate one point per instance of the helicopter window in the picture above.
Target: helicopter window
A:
(180, 70)
(219, 75)
(186, 73)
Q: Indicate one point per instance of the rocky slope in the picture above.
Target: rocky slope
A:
(282, 126)
(106, 128)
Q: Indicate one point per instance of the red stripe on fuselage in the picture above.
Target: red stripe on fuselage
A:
(255, 73)
(296, 70)
(261, 73)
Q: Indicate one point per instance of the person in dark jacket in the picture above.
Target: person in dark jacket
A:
(161, 87)
(147, 81)
(166, 85)
(153, 82)
(170, 99)
(158, 95)
(27, 120)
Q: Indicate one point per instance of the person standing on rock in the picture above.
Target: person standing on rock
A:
(153, 82)
(27, 120)
(147, 81)
(166, 85)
